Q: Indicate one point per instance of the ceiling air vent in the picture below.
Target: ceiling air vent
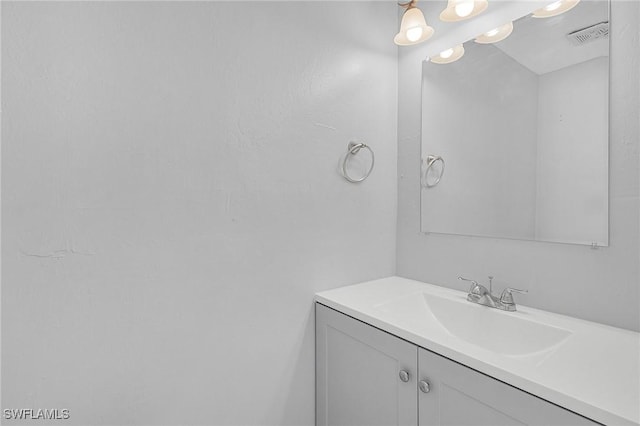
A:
(589, 34)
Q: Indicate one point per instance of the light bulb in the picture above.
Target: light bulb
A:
(414, 34)
(464, 8)
(495, 35)
(492, 32)
(553, 6)
(449, 55)
(555, 9)
(459, 10)
(446, 53)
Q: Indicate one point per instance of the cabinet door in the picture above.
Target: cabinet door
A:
(358, 374)
(461, 396)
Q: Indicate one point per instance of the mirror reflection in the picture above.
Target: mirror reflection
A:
(523, 126)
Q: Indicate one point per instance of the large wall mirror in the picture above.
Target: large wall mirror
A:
(522, 127)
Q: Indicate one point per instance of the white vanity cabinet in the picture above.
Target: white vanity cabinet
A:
(358, 374)
(365, 376)
(459, 395)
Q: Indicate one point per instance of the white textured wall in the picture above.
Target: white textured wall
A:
(170, 201)
(573, 162)
(601, 285)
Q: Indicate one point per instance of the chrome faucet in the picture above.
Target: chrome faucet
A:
(482, 296)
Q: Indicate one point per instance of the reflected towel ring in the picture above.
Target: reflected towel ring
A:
(430, 161)
(352, 149)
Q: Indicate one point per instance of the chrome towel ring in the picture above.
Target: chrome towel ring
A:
(430, 161)
(352, 149)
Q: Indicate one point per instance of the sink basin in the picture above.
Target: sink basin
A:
(506, 333)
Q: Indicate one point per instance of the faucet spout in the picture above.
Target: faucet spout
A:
(483, 298)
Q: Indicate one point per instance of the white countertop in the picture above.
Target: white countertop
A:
(595, 372)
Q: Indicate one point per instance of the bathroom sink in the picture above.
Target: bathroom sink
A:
(505, 333)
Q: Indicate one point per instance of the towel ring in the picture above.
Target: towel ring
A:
(431, 160)
(352, 149)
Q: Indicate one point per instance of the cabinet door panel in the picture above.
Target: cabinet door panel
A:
(461, 396)
(357, 374)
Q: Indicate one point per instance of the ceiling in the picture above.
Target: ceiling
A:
(542, 46)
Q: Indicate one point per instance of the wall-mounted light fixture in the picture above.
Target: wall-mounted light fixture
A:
(555, 9)
(459, 10)
(496, 34)
(413, 27)
(449, 55)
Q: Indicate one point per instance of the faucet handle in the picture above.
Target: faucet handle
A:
(476, 288)
(507, 297)
(474, 284)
